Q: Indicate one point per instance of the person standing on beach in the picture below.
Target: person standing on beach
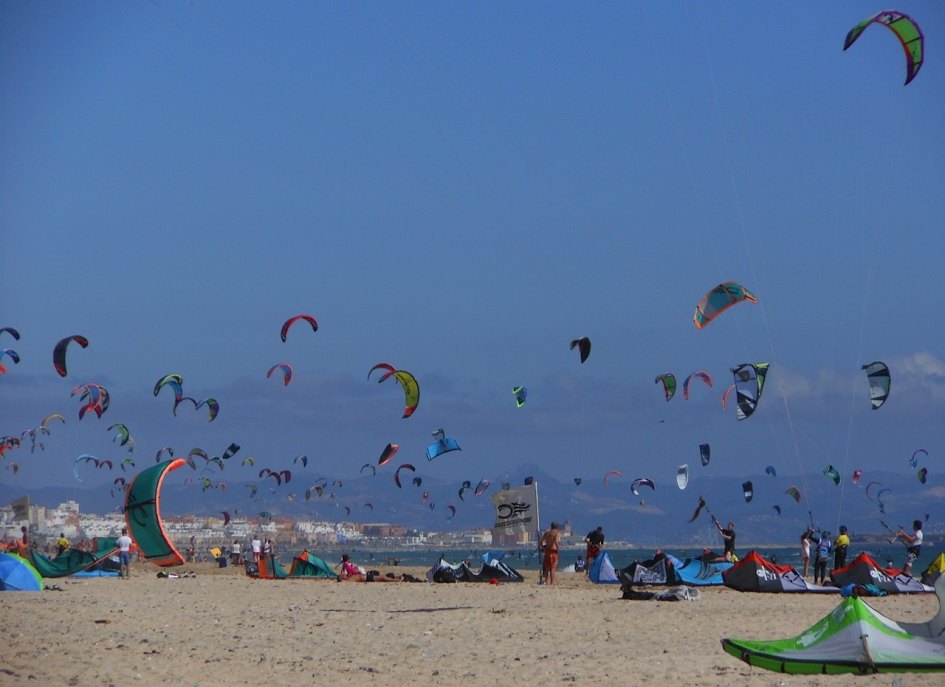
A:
(840, 545)
(235, 552)
(913, 544)
(124, 554)
(61, 544)
(595, 542)
(805, 549)
(256, 547)
(728, 538)
(823, 553)
(549, 543)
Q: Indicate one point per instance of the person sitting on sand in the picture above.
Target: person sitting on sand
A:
(352, 573)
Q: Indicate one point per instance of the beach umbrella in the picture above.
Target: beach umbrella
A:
(18, 575)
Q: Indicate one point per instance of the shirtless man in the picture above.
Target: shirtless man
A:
(549, 544)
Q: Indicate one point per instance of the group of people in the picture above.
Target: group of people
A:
(825, 545)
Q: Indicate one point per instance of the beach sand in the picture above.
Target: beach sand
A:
(224, 628)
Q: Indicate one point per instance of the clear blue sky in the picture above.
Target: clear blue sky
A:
(461, 189)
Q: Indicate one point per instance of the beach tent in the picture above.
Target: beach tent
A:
(853, 638)
(602, 570)
(72, 561)
(754, 573)
(18, 575)
(935, 570)
(864, 570)
(698, 573)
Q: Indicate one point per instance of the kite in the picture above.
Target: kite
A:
(771, 471)
(577, 482)
(213, 406)
(123, 433)
(59, 352)
(669, 384)
(442, 444)
(226, 518)
(286, 372)
(641, 482)
(10, 353)
(777, 509)
(481, 487)
(49, 418)
(794, 493)
(868, 489)
(609, 474)
(370, 467)
(292, 320)
(409, 384)
(417, 481)
(451, 508)
(698, 510)
(704, 376)
(878, 375)
(856, 475)
(173, 380)
(520, 393)
(749, 491)
(369, 505)
(405, 466)
(704, 452)
(388, 453)
(467, 485)
(84, 458)
(832, 473)
(718, 300)
(382, 366)
(584, 347)
(922, 474)
(143, 515)
(725, 394)
(906, 30)
(682, 476)
(11, 331)
(749, 383)
(231, 451)
(914, 460)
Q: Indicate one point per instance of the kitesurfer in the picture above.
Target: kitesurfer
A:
(840, 545)
(823, 553)
(913, 544)
(728, 537)
(549, 543)
(805, 549)
(595, 541)
(124, 554)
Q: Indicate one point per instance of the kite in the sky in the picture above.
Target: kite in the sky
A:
(641, 482)
(292, 320)
(212, 405)
(914, 461)
(286, 372)
(583, 345)
(749, 383)
(868, 486)
(771, 471)
(577, 482)
(794, 493)
(922, 474)
(669, 384)
(856, 475)
(777, 509)
(59, 352)
(411, 391)
(481, 487)
(698, 510)
(607, 477)
(905, 29)
(682, 476)
(11, 331)
(725, 395)
(832, 472)
(405, 466)
(748, 490)
(174, 381)
(520, 393)
(388, 453)
(369, 467)
(704, 376)
(467, 485)
(878, 374)
(718, 300)
(704, 453)
(441, 444)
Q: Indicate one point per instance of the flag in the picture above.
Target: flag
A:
(516, 510)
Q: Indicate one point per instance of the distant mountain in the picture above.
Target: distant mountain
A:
(655, 517)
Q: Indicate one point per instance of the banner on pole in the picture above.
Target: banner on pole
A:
(516, 510)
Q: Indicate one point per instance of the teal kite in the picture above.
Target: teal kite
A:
(718, 300)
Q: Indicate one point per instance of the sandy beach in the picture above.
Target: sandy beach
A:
(224, 628)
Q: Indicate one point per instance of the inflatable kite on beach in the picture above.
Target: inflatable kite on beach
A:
(143, 514)
(905, 29)
(718, 300)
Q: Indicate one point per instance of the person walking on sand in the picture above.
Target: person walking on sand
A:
(595, 542)
(913, 544)
(549, 543)
(124, 554)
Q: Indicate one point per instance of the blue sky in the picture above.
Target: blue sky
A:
(461, 190)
